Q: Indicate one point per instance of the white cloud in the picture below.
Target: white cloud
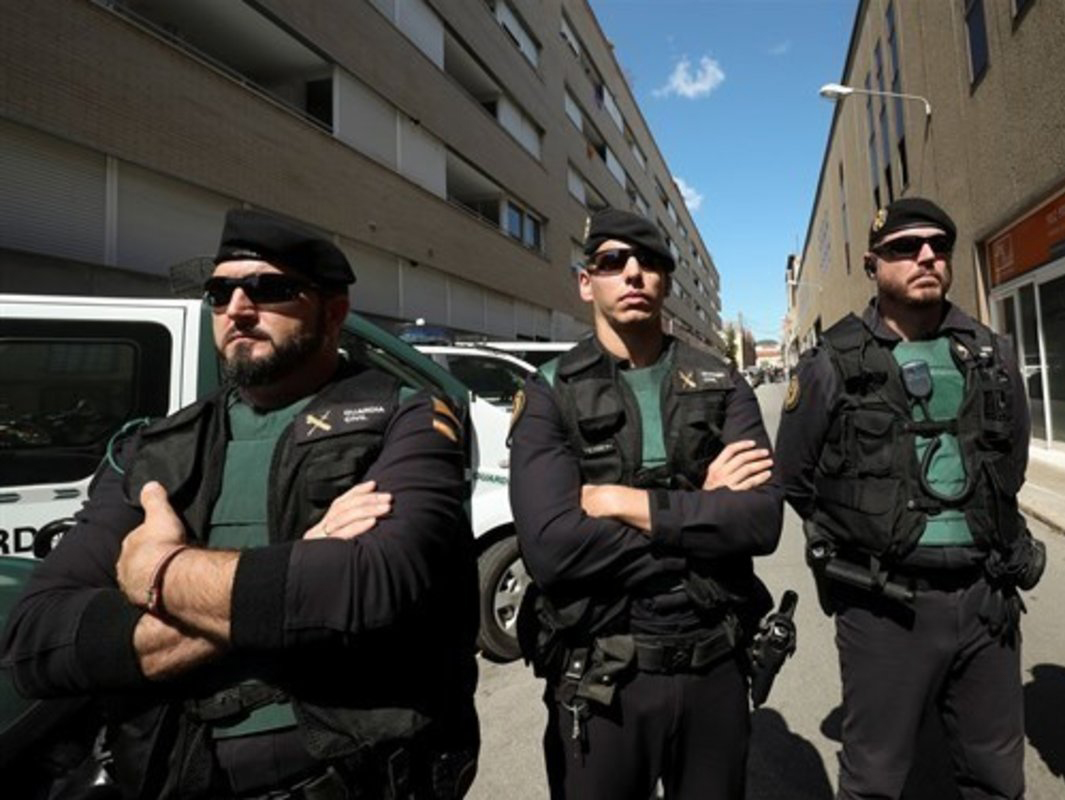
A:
(781, 48)
(692, 198)
(685, 83)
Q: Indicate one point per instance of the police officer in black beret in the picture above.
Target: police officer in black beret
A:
(256, 580)
(641, 487)
(902, 445)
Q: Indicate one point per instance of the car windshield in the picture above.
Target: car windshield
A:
(496, 380)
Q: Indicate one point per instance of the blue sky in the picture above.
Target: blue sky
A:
(729, 90)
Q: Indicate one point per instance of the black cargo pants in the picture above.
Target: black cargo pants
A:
(688, 729)
(894, 662)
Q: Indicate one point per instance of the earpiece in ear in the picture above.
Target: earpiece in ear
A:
(870, 266)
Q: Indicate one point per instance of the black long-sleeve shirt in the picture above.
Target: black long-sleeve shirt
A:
(567, 550)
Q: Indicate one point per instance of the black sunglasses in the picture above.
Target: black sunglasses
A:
(910, 246)
(610, 262)
(263, 287)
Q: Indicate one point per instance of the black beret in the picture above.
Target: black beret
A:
(910, 212)
(613, 223)
(251, 234)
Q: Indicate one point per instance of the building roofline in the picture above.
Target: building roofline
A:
(851, 49)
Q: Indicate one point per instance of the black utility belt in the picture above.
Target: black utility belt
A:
(694, 652)
(937, 579)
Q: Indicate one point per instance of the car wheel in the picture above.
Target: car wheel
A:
(503, 579)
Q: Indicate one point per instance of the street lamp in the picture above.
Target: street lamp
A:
(837, 91)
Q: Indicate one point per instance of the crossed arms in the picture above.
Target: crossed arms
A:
(81, 625)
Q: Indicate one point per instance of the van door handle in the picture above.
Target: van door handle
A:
(10, 497)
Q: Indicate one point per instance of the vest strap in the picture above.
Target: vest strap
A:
(932, 428)
(229, 705)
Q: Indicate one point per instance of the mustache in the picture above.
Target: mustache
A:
(923, 275)
(246, 333)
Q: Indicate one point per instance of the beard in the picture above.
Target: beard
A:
(243, 371)
(925, 297)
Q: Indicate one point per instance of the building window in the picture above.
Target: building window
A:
(843, 216)
(514, 220)
(523, 225)
(573, 110)
(874, 168)
(634, 148)
(532, 233)
(896, 87)
(976, 27)
(519, 125)
(606, 101)
(577, 259)
(614, 167)
(569, 37)
(885, 133)
(516, 30)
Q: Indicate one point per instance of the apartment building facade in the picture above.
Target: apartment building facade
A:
(453, 148)
(988, 146)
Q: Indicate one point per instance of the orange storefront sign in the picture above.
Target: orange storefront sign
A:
(1030, 243)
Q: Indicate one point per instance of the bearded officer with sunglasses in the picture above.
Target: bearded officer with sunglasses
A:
(255, 581)
(902, 445)
(641, 486)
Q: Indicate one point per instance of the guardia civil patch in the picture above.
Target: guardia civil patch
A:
(317, 423)
(791, 398)
(517, 407)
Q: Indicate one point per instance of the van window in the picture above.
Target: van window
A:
(68, 386)
(495, 380)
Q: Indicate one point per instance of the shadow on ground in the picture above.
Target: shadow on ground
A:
(782, 764)
(1044, 710)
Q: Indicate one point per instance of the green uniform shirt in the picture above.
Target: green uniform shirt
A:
(946, 472)
(238, 519)
(646, 384)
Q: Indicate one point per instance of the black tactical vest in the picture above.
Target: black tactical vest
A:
(313, 463)
(603, 418)
(869, 496)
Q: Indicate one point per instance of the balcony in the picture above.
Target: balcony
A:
(236, 39)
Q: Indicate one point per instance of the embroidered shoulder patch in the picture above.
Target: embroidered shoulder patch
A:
(517, 407)
(444, 420)
(791, 398)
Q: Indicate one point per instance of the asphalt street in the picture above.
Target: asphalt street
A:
(796, 734)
